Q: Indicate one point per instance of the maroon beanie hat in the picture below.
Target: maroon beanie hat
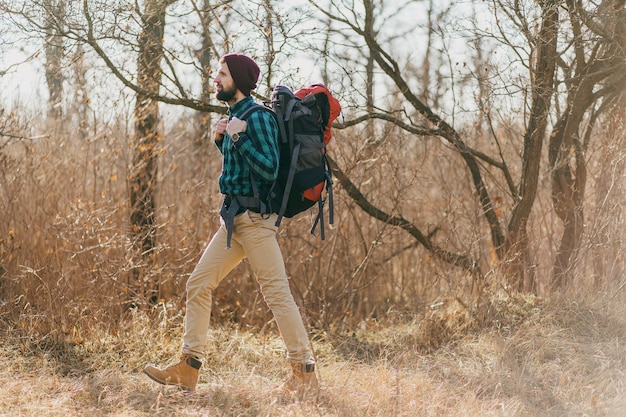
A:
(244, 70)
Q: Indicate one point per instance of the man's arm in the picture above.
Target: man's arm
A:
(218, 133)
(258, 144)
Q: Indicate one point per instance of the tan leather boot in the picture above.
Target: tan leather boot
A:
(183, 374)
(302, 383)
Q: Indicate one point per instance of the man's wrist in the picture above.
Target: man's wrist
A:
(236, 136)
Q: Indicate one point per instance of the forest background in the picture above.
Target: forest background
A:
(478, 244)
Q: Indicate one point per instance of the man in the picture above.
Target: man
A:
(250, 163)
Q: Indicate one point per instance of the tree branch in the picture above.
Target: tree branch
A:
(186, 102)
(455, 259)
(391, 68)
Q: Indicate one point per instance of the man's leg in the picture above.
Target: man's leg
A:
(257, 236)
(216, 262)
(258, 239)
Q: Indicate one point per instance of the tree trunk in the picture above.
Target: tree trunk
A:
(81, 90)
(568, 181)
(610, 210)
(144, 169)
(205, 54)
(55, 10)
(521, 274)
(569, 175)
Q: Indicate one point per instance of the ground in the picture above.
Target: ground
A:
(532, 358)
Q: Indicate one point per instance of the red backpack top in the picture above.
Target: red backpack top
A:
(329, 106)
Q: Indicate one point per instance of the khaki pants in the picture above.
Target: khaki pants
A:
(253, 237)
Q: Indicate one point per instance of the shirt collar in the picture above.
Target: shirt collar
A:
(240, 106)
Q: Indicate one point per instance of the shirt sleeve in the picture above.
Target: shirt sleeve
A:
(259, 145)
(220, 145)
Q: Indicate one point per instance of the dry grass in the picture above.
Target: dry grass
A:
(531, 358)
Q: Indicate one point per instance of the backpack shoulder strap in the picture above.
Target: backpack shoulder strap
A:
(252, 109)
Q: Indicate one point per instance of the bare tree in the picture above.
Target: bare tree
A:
(594, 78)
(206, 53)
(81, 91)
(592, 74)
(434, 125)
(542, 90)
(143, 173)
(147, 133)
(55, 18)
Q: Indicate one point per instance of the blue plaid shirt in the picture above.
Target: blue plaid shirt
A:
(256, 151)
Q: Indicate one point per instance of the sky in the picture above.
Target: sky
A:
(24, 84)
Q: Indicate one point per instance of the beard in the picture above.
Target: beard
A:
(226, 95)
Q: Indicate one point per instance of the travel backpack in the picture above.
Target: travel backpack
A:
(304, 119)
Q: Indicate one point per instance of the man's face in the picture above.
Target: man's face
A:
(225, 89)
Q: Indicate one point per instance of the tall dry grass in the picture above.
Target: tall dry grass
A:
(68, 261)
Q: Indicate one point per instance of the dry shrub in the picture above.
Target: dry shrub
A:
(65, 263)
(69, 268)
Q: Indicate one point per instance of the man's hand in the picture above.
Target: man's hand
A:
(236, 126)
(220, 128)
